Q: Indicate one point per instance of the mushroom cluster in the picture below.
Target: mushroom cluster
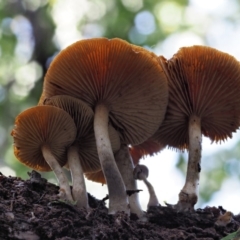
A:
(107, 103)
(116, 94)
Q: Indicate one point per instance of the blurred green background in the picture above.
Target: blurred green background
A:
(32, 32)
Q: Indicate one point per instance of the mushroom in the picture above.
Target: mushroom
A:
(141, 173)
(82, 154)
(204, 87)
(42, 136)
(126, 159)
(125, 86)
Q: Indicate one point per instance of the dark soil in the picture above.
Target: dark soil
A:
(31, 210)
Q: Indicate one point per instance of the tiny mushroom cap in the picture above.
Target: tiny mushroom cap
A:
(124, 84)
(204, 86)
(42, 126)
(140, 172)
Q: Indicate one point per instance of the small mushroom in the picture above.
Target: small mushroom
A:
(204, 87)
(42, 136)
(82, 155)
(141, 173)
(124, 85)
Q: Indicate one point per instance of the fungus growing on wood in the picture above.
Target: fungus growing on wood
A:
(204, 87)
(125, 86)
(82, 154)
(42, 136)
(141, 173)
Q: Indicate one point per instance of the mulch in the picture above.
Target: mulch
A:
(31, 210)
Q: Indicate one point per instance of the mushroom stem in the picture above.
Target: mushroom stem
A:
(79, 188)
(189, 194)
(141, 173)
(117, 192)
(153, 200)
(126, 167)
(65, 191)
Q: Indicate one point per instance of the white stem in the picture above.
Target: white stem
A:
(153, 200)
(189, 193)
(65, 191)
(79, 188)
(126, 167)
(117, 192)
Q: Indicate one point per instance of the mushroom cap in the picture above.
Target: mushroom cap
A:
(205, 82)
(96, 177)
(42, 126)
(83, 116)
(140, 172)
(87, 149)
(80, 112)
(147, 148)
(126, 78)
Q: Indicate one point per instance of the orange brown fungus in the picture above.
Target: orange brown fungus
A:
(41, 99)
(124, 85)
(147, 148)
(42, 126)
(85, 142)
(82, 115)
(96, 177)
(204, 86)
(205, 82)
(109, 72)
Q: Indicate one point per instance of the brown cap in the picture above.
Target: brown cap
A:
(87, 149)
(80, 112)
(96, 177)
(126, 78)
(41, 99)
(147, 148)
(39, 126)
(83, 115)
(205, 82)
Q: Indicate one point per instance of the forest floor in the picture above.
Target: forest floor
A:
(31, 210)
